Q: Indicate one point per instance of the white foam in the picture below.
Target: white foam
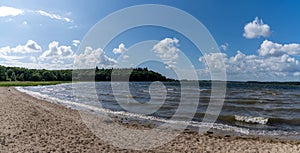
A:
(75, 105)
(47, 98)
(217, 126)
(251, 119)
(222, 127)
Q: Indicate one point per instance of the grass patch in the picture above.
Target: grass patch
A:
(30, 83)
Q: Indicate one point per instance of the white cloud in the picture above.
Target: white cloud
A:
(35, 65)
(224, 46)
(11, 57)
(10, 11)
(213, 61)
(269, 48)
(92, 57)
(5, 50)
(121, 49)
(167, 50)
(30, 47)
(55, 57)
(6, 56)
(256, 29)
(253, 67)
(75, 43)
(53, 16)
(56, 53)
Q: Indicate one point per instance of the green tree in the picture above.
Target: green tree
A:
(13, 77)
(20, 77)
(48, 76)
(3, 74)
(36, 76)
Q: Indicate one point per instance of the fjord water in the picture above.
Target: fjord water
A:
(249, 108)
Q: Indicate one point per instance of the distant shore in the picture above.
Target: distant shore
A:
(30, 83)
(29, 125)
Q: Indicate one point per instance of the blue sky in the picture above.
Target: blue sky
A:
(258, 40)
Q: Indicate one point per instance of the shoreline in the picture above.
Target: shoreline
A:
(29, 124)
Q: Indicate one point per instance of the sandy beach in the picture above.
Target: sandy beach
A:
(28, 124)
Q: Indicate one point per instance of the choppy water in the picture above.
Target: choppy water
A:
(249, 108)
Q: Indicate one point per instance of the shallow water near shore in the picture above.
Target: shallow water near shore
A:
(250, 109)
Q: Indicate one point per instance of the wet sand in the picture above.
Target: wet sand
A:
(28, 124)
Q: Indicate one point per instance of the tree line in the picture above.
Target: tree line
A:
(116, 74)
(24, 74)
(129, 74)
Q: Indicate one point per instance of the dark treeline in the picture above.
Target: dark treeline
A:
(124, 74)
(24, 74)
(273, 82)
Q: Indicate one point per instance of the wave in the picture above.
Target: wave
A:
(80, 106)
(251, 119)
(228, 126)
(66, 103)
(261, 108)
(278, 121)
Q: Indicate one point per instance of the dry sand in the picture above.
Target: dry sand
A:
(31, 125)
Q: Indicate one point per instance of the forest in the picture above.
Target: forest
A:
(129, 74)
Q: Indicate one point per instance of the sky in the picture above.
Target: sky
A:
(256, 40)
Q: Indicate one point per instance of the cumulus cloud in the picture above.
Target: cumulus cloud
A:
(121, 49)
(167, 49)
(55, 57)
(10, 11)
(5, 50)
(11, 56)
(269, 48)
(75, 43)
(30, 47)
(57, 54)
(24, 53)
(256, 29)
(253, 67)
(214, 61)
(53, 16)
(92, 57)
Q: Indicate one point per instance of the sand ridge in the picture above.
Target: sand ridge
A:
(28, 124)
